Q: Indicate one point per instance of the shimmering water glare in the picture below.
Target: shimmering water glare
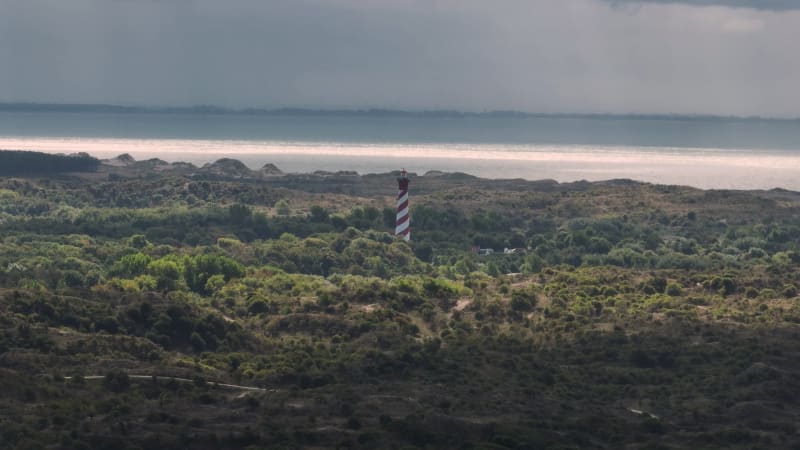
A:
(704, 154)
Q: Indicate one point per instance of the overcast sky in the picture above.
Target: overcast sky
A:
(728, 57)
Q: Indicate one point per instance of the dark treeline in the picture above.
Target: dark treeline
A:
(14, 162)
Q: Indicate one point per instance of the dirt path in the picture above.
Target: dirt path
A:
(182, 380)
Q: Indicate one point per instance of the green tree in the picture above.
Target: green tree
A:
(215, 283)
(282, 207)
(318, 214)
(166, 272)
(138, 241)
(239, 214)
(198, 269)
(133, 265)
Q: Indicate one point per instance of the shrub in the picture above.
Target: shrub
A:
(523, 300)
(258, 306)
(197, 341)
(117, 381)
(673, 290)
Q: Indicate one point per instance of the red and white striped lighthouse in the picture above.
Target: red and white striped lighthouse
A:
(402, 228)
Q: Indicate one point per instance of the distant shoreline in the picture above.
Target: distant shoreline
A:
(79, 108)
(701, 168)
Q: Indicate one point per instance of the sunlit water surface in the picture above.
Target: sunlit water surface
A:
(739, 168)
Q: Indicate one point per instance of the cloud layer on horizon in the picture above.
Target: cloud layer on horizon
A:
(767, 5)
(532, 55)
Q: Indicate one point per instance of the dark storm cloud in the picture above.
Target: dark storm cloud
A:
(534, 55)
(766, 5)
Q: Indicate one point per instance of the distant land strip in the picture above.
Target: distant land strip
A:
(20, 162)
(358, 112)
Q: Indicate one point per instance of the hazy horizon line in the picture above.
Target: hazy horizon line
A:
(7, 106)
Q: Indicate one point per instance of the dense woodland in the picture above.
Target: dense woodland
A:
(35, 163)
(135, 306)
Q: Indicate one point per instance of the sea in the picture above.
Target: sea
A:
(708, 153)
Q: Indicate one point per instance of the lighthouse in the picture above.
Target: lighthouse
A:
(402, 228)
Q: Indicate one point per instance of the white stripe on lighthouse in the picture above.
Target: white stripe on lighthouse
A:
(403, 198)
(402, 227)
(402, 213)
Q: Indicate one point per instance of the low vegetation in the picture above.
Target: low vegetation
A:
(137, 311)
